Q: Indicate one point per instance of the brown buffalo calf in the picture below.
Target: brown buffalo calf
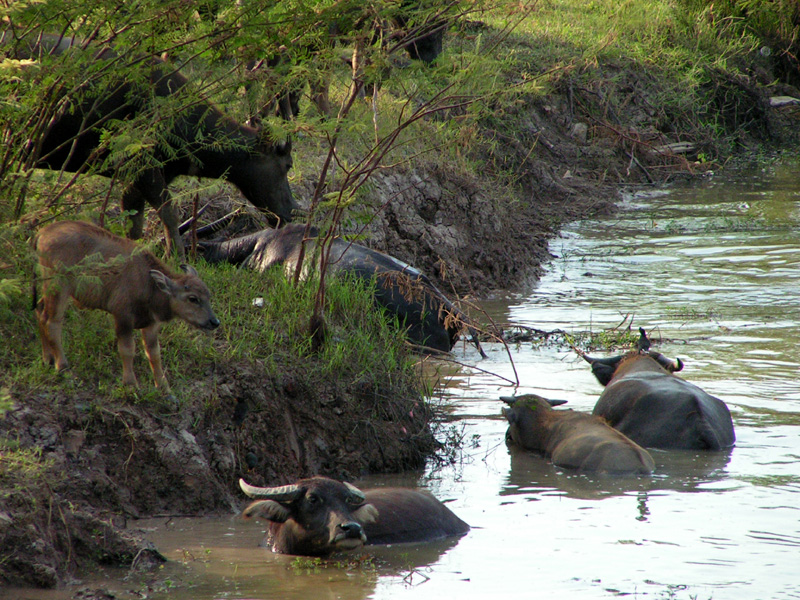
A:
(101, 270)
(571, 439)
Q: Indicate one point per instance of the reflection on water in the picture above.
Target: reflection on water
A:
(682, 471)
(713, 273)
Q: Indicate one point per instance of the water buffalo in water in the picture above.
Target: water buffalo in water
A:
(656, 409)
(200, 141)
(430, 319)
(571, 439)
(101, 270)
(318, 516)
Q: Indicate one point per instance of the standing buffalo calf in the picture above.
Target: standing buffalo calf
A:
(429, 318)
(319, 516)
(571, 439)
(199, 140)
(104, 271)
(646, 402)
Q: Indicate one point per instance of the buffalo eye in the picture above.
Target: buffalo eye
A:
(313, 499)
(194, 299)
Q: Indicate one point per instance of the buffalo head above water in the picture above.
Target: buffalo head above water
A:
(319, 516)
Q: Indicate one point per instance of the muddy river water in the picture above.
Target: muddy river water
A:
(712, 271)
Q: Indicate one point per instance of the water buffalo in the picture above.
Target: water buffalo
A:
(430, 319)
(419, 34)
(318, 516)
(101, 270)
(200, 139)
(656, 409)
(571, 439)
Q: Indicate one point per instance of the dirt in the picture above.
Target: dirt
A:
(109, 462)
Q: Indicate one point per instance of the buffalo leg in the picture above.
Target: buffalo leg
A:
(127, 350)
(48, 357)
(133, 201)
(319, 95)
(51, 324)
(151, 187)
(153, 350)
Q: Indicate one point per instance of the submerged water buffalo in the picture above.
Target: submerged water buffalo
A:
(571, 439)
(656, 409)
(199, 139)
(318, 516)
(103, 271)
(430, 319)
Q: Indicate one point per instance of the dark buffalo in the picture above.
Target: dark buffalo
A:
(571, 439)
(656, 409)
(201, 140)
(318, 516)
(422, 39)
(430, 319)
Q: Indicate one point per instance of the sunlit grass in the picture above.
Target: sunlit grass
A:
(362, 342)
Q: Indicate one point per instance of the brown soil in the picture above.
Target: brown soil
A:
(109, 462)
(113, 461)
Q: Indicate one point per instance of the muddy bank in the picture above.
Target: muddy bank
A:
(572, 153)
(96, 464)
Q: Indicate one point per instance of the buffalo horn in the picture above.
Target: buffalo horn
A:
(284, 493)
(510, 400)
(670, 365)
(212, 228)
(611, 361)
(187, 224)
(356, 495)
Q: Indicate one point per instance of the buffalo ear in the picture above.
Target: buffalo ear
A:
(189, 270)
(284, 148)
(511, 415)
(163, 282)
(603, 372)
(267, 509)
(366, 514)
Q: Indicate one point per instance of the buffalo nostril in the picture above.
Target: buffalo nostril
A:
(213, 323)
(351, 530)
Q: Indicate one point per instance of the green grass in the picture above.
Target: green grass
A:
(361, 341)
(585, 50)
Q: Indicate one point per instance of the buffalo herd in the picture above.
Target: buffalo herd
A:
(644, 405)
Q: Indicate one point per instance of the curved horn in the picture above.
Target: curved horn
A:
(670, 365)
(356, 496)
(284, 493)
(610, 361)
(221, 223)
(187, 224)
(511, 400)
